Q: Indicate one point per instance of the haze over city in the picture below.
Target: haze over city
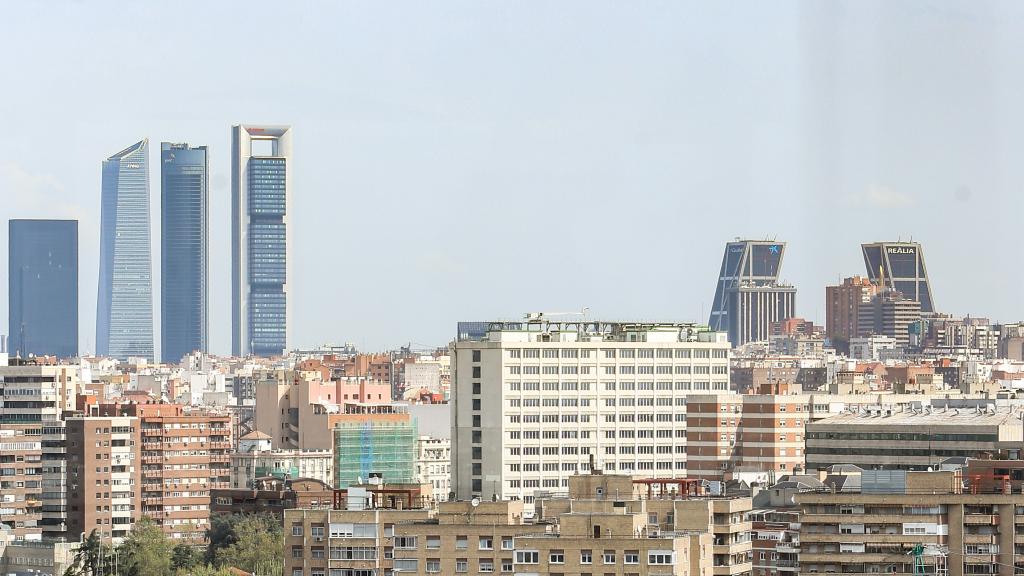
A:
(467, 161)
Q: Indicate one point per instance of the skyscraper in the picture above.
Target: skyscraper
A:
(184, 253)
(43, 287)
(900, 266)
(748, 295)
(260, 190)
(124, 309)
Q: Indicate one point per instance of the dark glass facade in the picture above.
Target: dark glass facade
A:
(43, 288)
(749, 263)
(184, 173)
(900, 266)
(267, 255)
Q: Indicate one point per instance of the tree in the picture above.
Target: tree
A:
(146, 551)
(87, 557)
(258, 546)
(185, 558)
(207, 570)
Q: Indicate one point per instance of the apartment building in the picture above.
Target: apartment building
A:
(272, 495)
(913, 438)
(433, 465)
(757, 432)
(33, 399)
(607, 524)
(247, 467)
(843, 304)
(185, 453)
(104, 476)
(299, 409)
(899, 518)
(775, 542)
(534, 400)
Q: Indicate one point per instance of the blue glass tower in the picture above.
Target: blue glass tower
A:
(183, 250)
(124, 309)
(260, 191)
(43, 287)
(748, 295)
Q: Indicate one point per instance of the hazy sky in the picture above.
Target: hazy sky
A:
(474, 160)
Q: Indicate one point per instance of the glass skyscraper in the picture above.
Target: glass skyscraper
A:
(43, 288)
(748, 295)
(260, 191)
(124, 310)
(900, 266)
(183, 250)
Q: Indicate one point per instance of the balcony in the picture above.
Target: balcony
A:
(981, 519)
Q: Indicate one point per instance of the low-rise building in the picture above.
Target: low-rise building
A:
(899, 518)
(909, 438)
(273, 495)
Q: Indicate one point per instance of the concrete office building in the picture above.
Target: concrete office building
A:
(875, 530)
(104, 476)
(534, 401)
(890, 314)
(124, 310)
(900, 266)
(908, 438)
(748, 294)
(42, 275)
(261, 176)
(184, 253)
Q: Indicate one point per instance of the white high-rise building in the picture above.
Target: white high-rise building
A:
(534, 401)
(261, 177)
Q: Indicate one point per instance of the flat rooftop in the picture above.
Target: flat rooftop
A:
(998, 416)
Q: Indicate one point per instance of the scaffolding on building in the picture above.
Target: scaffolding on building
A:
(374, 450)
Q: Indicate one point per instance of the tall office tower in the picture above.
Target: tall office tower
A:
(124, 310)
(183, 248)
(43, 287)
(749, 296)
(533, 402)
(900, 266)
(842, 306)
(104, 476)
(260, 191)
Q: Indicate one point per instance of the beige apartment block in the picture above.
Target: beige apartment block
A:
(875, 530)
(608, 525)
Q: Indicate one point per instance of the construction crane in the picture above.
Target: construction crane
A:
(940, 553)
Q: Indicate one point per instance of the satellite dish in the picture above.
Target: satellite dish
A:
(475, 502)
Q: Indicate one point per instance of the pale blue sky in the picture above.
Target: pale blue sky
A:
(472, 160)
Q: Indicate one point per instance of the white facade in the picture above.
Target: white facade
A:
(871, 347)
(434, 465)
(533, 402)
(247, 466)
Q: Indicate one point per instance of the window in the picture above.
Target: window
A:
(527, 557)
(433, 565)
(433, 542)
(296, 551)
(405, 543)
(609, 556)
(461, 542)
(556, 557)
(486, 565)
(317, 531)
(486, 543)
(631, 557)
(476, 355)
(507, 543)
(296, 529)
(461, 565)
(586, 556)
(661, 557)
(506, 565)
(406, 565)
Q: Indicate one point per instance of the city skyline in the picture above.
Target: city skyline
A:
(456, 176)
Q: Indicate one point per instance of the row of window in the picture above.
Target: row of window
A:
(622, 369)
(516, 353)
(608, 557)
